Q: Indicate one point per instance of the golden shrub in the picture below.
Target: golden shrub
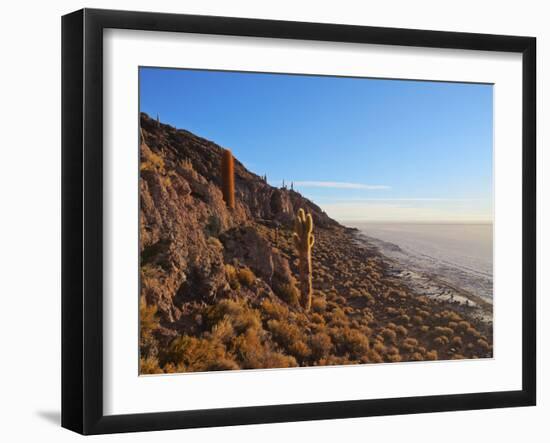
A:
(223, 331)
(321, 345)
(393, 358)
(352, 342)
(463, 326)
(451, 316)
(198, 354)
(441, 340)
(483, 344)
(246, 276)
(443, 330)
(241, 316)
(389, 335)
(431, 355)
(231, 276)
(284, 333)
(456, 341)
(473, 332)
(148, 320)
(319, 304)
(299, 350)
(272, 309)
(149, 365)
(289, 293)
(403, 319)
(401, 330)
(409, 344)
(338, 318)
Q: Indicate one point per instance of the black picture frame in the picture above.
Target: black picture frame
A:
(82, 218)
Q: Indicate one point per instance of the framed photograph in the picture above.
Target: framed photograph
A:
(268, 221)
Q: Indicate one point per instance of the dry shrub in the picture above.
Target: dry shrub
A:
(284, 333)
(149, 365)
(289, 293)
(457, 357)
(424, 328)
(391, 311)
(431, 355)
(379, 347)
(333, 360)
(246, 276)
(241, 316)
(417, 320)
(409, 344)
(338, 318)
(321, 345)
(403, 319)
(416, 356)
(319, 304)
(392, 350)
(148, 323)
(401, 330)
(374, 357)
(198, 354)
(215, 243)
(451, 316)
(457, 341)
(422, 312)
(473, 332)
(441, 341)
(274, 310)
(248, 349)
(389, 335)
(251, 353)
(231, 276)
(299, 350)
(483, 344)
(316, 318)
(394, 358)
(352, 342)
(443, 330)
(148, 320)
(452, 324)
(151, 161)
(171, 368)
(223, 331)
(278, 360)
(462, 326)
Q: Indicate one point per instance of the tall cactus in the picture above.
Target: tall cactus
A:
(303, 240)
(228, 179)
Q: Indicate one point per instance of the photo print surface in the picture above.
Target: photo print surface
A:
(298, 220)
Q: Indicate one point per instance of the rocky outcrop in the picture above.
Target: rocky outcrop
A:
(187, 232)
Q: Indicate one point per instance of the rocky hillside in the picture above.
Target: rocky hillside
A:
(218, 285)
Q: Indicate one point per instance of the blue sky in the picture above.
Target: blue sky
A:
(363, 149)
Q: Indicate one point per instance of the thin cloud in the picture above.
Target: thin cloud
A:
(338, 185)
